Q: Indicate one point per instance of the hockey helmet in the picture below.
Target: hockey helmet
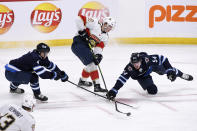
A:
(135, 57)
(42, 47)
(109, 21)
(28, 102)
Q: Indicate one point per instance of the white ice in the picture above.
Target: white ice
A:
(174, 108)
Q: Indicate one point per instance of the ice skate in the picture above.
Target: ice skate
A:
(97, 88)
(17, 91)
(41, 97)
(84, 83)
(187, 77)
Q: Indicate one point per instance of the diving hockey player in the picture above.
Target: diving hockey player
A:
(28, 67)
(91, 34)
(15, 118)
(140, 67)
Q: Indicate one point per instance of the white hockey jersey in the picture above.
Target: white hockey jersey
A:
(15, 118)
(93, 27)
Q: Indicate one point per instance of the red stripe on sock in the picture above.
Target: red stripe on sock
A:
(94, 75)
(85, 74)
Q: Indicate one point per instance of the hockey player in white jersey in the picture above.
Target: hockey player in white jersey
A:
(15, 118)
(92, 34)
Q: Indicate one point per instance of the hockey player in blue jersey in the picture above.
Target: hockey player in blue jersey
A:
(140, 67)
(29, 67)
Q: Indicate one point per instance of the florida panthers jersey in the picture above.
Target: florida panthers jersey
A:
(32, 62)
(149, 63)
(93, 27)
(14, 118)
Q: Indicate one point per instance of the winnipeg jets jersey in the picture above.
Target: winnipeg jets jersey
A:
(150, 63)
(32, 61)
(14, 118)
(93, 27)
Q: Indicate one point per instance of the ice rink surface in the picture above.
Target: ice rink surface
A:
(69, 108)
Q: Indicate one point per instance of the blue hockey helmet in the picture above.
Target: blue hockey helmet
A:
(42, 47)
(135, 57)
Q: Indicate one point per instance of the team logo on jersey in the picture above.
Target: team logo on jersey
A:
(6, 18)
(146, 60)
(46, 17)
(125, 72)
(130, 68)
(94, 9)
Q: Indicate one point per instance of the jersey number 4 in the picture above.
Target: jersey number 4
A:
(9, 119)
(154, 60)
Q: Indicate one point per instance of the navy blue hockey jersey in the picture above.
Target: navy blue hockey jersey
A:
(32, 62)
(149, 63)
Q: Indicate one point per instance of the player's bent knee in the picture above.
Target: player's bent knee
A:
(152, 90)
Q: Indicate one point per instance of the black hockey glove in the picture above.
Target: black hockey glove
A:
(64, 76)
(56, 76)
(97, 58)
(111, 94)
(171, 75)
(84, 35)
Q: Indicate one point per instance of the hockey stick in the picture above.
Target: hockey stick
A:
(3, 115)
(99, 68)
(128, 114)
(102, 77)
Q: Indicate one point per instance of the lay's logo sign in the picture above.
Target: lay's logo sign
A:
(94, 9)
(6, 18)
(46, 17)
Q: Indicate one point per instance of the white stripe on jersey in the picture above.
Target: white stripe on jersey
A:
(164, 58)
(121, 81)
(123, 77)
(40, 72)
(54, 66)
(37, 67)
(13, 67)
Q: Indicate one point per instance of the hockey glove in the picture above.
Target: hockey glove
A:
(111, 94)
(84, 35)
(171, 75)
(56, 76)
(97, 58)
(64, 76)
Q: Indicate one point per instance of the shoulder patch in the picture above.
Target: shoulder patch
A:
(129, 68)
(146, 59)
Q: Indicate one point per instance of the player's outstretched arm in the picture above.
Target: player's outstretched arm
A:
(119, 84)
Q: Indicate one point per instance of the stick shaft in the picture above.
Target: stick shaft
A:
(100, 95)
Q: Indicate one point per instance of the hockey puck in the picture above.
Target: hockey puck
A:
(128, 114)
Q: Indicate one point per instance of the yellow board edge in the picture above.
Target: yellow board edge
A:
(17, 44)
(136, 40)
(157, 40)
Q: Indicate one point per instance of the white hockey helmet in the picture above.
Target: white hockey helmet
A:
(110, 21)
(29, 102)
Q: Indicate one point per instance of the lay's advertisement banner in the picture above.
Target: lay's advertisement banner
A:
(139, 21)
(7, 19)
(48, 20)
